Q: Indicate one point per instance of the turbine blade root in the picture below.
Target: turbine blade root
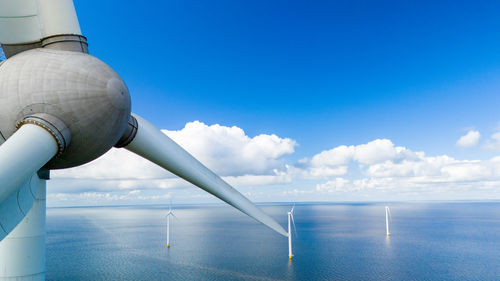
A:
(152, 144)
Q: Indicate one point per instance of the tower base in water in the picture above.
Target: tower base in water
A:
(168, 245)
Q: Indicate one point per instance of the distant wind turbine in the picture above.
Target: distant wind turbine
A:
(387, 216)
(170, 213)
(290, 217)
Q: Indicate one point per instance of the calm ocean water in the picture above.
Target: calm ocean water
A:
(429, 241)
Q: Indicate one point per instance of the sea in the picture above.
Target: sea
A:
(332, 241)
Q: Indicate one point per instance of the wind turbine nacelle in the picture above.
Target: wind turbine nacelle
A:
(79, 99)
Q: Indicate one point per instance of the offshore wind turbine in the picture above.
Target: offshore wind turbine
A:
(60, 108)
(290, 219)
(387, 216)
(170, 213)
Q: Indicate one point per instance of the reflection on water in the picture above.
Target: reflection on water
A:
(445, 241)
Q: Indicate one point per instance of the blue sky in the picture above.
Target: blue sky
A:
(324, 73)
(320, 73)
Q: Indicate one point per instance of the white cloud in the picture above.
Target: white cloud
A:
(417, 172)
(338, 156)
(376, 151)
(422, 166)
(258, 180)
(337, 184)
(336, 161)
(226, 150)
(379, 165)
(470, 139)
(230, 152)
(116, 164)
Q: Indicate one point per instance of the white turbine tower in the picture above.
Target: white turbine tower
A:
(170, 213)
(290, 220)
(387, 216)
(60, 108)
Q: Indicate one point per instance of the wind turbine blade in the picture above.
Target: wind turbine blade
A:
(155, 146)
(19, 22)
(175, 216)
(389, 212)
(59, 17)
(21, 156)
(23, 24)
(292, 208)
(15, 207)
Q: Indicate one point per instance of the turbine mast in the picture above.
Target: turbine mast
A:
(168, 230)
(387, 221)
(290, 255)
(170, 213)
(22, 252)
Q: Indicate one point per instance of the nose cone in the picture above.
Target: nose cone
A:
(80, 90)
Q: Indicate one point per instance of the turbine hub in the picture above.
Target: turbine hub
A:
(69, 90)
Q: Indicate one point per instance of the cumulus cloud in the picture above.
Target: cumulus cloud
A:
(403, 169)
(230, 152)
(470, 139)
(226, 150)
(336, 161)
(240, 159)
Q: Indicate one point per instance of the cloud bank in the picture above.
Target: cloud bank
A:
(261, 167)
(241, 160)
